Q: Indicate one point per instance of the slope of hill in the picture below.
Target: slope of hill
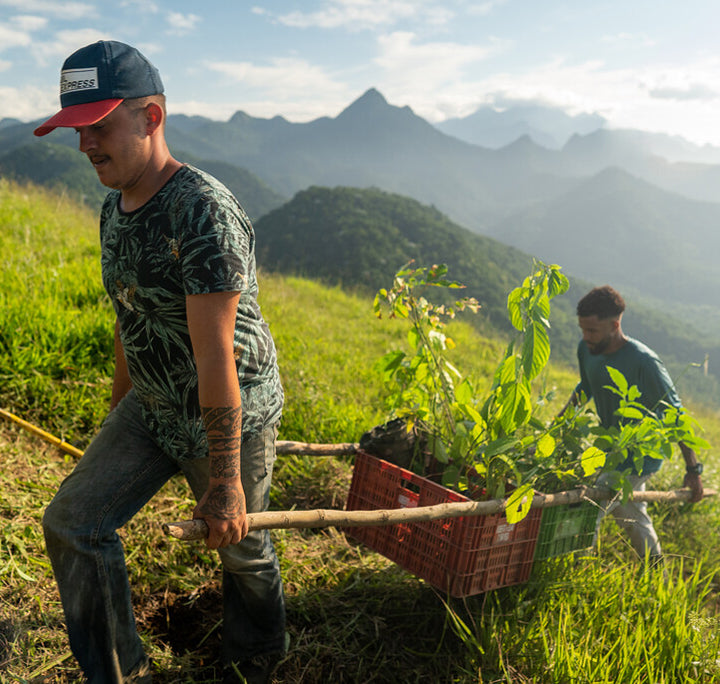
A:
(619, 229)
(256, 197)
(56, 166)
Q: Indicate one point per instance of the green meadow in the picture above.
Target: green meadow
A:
(353, 616)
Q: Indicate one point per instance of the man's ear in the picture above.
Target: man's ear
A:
(153, 117)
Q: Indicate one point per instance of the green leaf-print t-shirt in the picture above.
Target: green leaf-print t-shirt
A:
(192, 237)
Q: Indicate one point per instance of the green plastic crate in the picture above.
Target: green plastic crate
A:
(566, 528)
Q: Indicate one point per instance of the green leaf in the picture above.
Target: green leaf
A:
(413, 338)
(400, 310)
(557, 283)
(618, 379)
(592, 459)
(391, 361)
(439, 451)
(541, 308)
(519, 503)
(545, 446)
(514, 310)
(464, 392)
(450, 476)
(507, 372)
(630, 413)
(516, 406)
(536, 350)
(499, 446)
(695, 443)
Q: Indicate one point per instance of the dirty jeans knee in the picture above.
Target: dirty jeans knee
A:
(117, 475)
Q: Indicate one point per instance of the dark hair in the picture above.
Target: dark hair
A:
(603, 302)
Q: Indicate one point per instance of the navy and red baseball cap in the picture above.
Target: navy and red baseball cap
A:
(96, 79)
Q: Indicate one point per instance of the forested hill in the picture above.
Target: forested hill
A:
(60, 167)
(359, 238)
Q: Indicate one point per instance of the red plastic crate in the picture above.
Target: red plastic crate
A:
(459, 556)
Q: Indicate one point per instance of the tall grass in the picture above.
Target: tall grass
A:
(353, 615)
(55, 343)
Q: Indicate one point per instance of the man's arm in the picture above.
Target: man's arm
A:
(121, 378)
(573, 401)
(692, 479)
(211, 323)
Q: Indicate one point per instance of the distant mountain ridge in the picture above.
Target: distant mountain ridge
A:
(495, 127)
(522, 193)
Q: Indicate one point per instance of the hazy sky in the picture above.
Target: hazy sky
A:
(645, 64)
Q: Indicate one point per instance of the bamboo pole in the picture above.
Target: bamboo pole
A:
(59, 443)
(189, 530)
(282, 447)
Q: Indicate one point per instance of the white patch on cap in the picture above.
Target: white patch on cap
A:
(73, 80)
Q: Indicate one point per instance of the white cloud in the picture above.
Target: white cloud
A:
(700, 81)
(4, 65)
(17, 31)
(65, 43)
(691, 91)
(181, 24)
(358, 15)
(284, 85)
(13, 37)
(484, 8)
(26, 22)
(420, 72)
(626, 97)
(145, 6)
(279, 75)
(640, 39)
(28, 104)
(63, 10)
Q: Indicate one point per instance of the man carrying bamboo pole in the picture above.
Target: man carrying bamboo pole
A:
(604, 344)
(196, 386)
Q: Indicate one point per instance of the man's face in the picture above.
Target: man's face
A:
(117, 147)
(598, 333)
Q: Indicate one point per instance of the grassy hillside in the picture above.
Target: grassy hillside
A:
(353, 616)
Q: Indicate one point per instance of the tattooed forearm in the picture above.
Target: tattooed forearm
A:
(224, 434)
(223, 503)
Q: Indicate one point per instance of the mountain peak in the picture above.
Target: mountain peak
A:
(372, 96)
(372, 109)
(369, 103)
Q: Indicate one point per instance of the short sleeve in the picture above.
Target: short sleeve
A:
(215, 247)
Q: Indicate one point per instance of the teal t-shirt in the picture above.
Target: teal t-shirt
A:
(192, 237)
(641, 367)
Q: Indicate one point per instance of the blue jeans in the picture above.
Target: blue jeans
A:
(118, 474)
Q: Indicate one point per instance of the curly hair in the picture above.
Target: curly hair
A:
(603, 302)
